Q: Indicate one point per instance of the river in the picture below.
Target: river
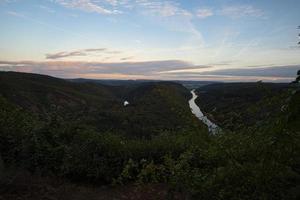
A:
(213, 128)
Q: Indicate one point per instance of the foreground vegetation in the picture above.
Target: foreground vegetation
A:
(169, 148)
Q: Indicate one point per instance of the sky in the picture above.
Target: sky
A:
(224, 40)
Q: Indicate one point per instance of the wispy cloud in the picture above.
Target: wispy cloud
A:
(162, 8)
(7, 1)
(266, 73)
(80, 69)
(96, 49)
(239, 11)
(65, 54)
(231, 11)
(127, 58)
(164, 69)
(203, 13)
(81, 52)
(47, 9)
(173, 17)
(108, 7)
(289, 71)
(168, 13)
(15, 14)
(48, 25)
(88, 6)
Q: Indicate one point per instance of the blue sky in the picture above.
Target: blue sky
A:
(226, 40)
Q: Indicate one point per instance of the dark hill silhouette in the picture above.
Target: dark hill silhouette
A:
(154, 106)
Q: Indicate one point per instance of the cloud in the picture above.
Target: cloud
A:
(88, 6)
(168, 14)
(114, 52)
(15, 14)
(64, 54)
(274, 73)
(47, 9)
(239, 11)
(154, 7)
(187, 70)
(289, 71)
(97, 49)
(80, 69)
(112, 2)
(204, 13)
(173, 17)
(232, 11)
(162, 8)
(227, 78)
(127, 58)
(7, 1)
(43, 23)
(82, 52)
(163, 69)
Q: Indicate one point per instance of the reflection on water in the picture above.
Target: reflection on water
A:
(213, 128)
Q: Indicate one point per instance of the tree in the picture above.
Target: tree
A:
(298, 73)
(1, 167)
(298, 76)
(299, 36)
(297, 80)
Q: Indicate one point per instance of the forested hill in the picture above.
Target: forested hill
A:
(238, 105)
(41, 94)
(153, 107)
(82, 132)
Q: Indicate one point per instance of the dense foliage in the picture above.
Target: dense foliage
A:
(259, 161)
(153, 108)
(237, 105)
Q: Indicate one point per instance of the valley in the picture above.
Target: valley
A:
(149, 100)
(80, 135)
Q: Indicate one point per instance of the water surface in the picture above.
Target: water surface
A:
(213, 128)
